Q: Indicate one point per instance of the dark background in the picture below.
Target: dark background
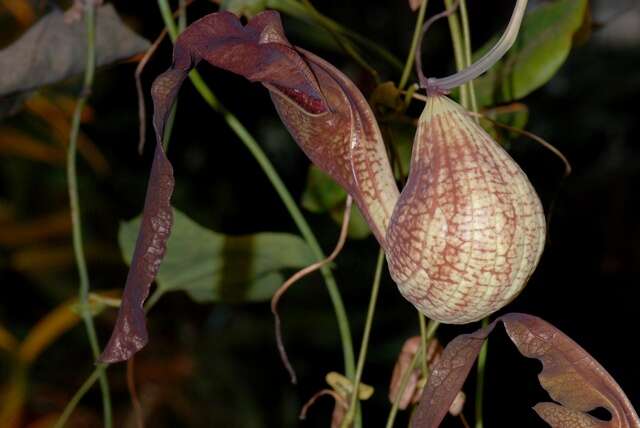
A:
(229, 373)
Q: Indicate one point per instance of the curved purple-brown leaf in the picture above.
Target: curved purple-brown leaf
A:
(570, 375)
(130, 332)
(448, 376)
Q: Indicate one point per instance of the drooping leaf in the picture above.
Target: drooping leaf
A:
(570, 375)
(323, 110)
(543, 44)
(130, 332)
(52, 50)
(210, 266)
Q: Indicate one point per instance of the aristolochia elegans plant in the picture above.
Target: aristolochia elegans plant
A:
(461, 239)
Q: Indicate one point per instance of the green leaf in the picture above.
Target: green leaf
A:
(358, 227)
(543, 45)
(248, 8)
(323, 195)
(211, 266)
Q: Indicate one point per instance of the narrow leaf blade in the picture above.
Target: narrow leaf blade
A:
(130, 332)
(447, 377)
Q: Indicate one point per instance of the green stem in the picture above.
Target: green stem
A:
(167, 17)
(362, 356)
(458, 50)
(482, 363)
(252, 145)
(466, 35)
(97, 372)
(408, 65)
(168, 129)
(403, 385)
(423, 340)
(182, 16)
(74, 202)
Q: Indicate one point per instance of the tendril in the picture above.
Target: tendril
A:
(299, 275)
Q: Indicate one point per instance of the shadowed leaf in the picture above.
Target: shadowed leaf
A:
(323, 195)
(211, 267)
(570, 375)
(53, 50)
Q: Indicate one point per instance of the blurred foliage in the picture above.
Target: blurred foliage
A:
(213, 267)
(542, 47)
(216, 364)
